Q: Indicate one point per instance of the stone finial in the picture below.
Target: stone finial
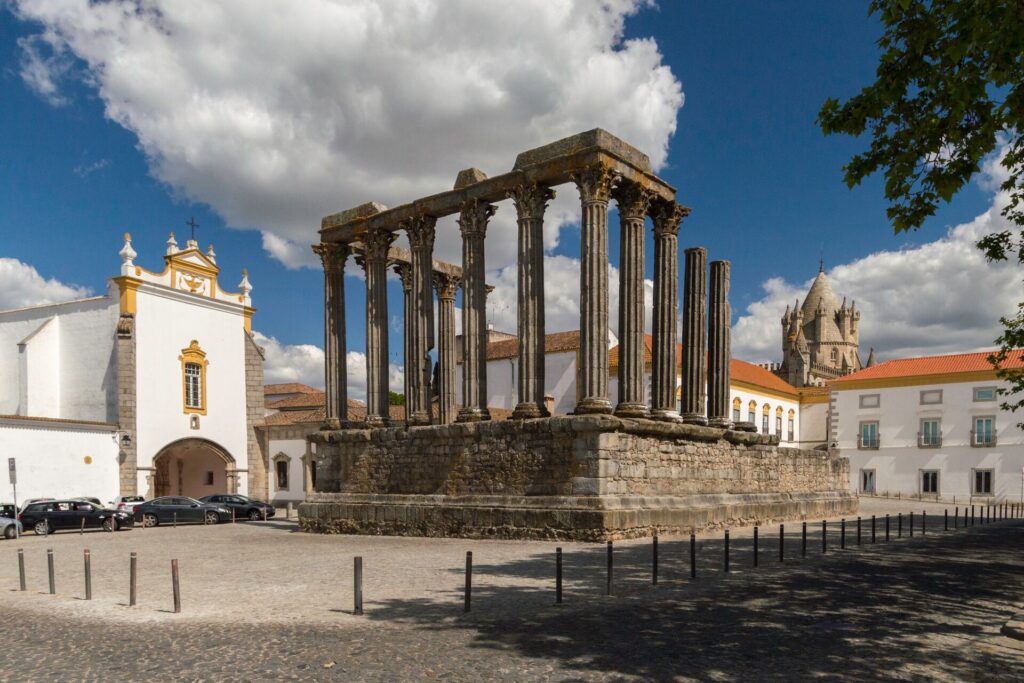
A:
(127, 255)
(172, 245)
(469, 176)
(245, 288)
(211, 254)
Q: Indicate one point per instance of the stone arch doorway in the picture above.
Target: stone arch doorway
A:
(194, 468)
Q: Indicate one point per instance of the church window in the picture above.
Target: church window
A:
(835, 355)
(792, 421)
(193, 370)
(282, 475)
(764, 418)
(737, 407)
(752, 412)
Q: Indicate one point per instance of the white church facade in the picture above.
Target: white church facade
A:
(155, 388)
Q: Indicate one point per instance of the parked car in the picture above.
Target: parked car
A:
(244, 507)
(170, 509)
(8, 510)
(9, 527)
(49, 516)
(126, 502)
(95, 501)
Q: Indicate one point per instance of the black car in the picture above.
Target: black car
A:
(174, 509)
(243, 506)
(54, 515)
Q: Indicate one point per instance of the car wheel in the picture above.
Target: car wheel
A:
(42, 528)
(212, 517)
(254, 515)
(110, 524)
(9, 531)
(149, 520)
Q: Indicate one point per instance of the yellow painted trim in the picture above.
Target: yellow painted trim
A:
(127, 287)
(247, 313)
(758, 389)
(915, 380)
(193, 354)
(812, 398)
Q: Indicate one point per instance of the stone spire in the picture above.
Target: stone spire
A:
(245, 288)
(211, 254)
(127, 255)
(871, 358)
(172, 245)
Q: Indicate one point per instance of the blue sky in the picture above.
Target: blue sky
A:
(764, 183)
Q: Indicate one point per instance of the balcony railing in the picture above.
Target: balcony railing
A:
(985, 439)
(929, 440)
(869, 443)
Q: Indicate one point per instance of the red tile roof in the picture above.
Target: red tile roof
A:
(613, 353)
(742, 371)
(556, 342)
(932, 365)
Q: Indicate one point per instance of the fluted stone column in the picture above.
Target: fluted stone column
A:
(473, 225)
(375, 262)
(666, 217)
(333, 256)
(595, 186)
(633, 201)
(446, 286)
(530, 202)
(694, 335)
(404, 272)
(719, 320)
(421, 242)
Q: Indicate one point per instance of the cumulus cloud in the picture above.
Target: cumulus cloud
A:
(21, 285)
(939, 297)
(276, 114)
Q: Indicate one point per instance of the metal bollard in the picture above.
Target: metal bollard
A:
(873, 537)
(133, 580)
(972, 515)
(21, 569)
(803, 541)
(175, 523)
(693, 555)
(755, 547)
(924, 522)
(357, 589)
(654, 561)
(81, 528)
(887, 527)
(88, 575)
(824, 536)
(899, 525)
(956, 517)
(911, 524)
(782, 543)
(858, 531)
(49, 567)
(175, 586)
(945, 520)
(726, 551)
(232, 515)
(558, 576)
(842, 534)
(608, 588)
(468, 590)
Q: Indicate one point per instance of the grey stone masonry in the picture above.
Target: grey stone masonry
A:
(126, 404)
(719, 351)
(257, 446)
(473, 224)
(446, 286)
(333, 257)
(633, 201)
(595, 186)
(420, 230)
(531, 201)
(375, 256)
(666, 217)
(694, 335)
(404, 272)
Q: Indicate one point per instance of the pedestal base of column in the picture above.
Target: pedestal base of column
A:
(419, 420)
(720, 422)
(694, 419)
(665, 415)
(377, 422)
(745, 427)
(593, 406)
(331, 424)
(638, 410)
(529, 411)
(473, 415)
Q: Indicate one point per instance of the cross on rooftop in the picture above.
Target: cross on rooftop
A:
(191, 222)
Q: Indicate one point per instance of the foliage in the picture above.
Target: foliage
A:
(949, 89)
(396, 399)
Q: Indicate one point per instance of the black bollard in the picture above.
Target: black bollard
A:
(873, 538)
(911, 524)
(654, 561)
(133, 579)
(858, 531)
(972, 515)
(924, 522)
(357, 589)
(49, 567)
(945, 520)
(782, 543)
(609, 587)
(21, 569)
(558, 576)
(803, 541)
(175, 586)
(726, 551)
(887, 527)
(824, 536)
(174, 524)
(842, 534)
(468, 590)
(899, 525)
(755, 546)
(693, 556)
(88, 575)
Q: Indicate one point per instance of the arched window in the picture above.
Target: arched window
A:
(778, 422)
(282, 463)
(737, 406)
(193, 372)
(752, 412)
(764, 418)
(792, 420)
(835, 355)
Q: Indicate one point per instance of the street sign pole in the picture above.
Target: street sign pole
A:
(13, 474)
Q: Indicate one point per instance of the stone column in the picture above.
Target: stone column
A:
(531, 201)
(694, 335)
(404, 272)
(633, 201)
(719, 320)
(473, 225)
(333, 256)
(666, 217)
(595, 186)
(421, 242)
(446, 286)
(375, 261)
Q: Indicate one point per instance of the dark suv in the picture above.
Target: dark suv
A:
(243, 507)
(54, 515)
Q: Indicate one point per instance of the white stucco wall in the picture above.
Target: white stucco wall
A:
(746, 395)
(898, 462)
(502, 392)
(293, 449)
(52, 460)
(813, 418)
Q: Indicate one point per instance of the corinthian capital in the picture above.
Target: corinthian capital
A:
(446, 285)
(420, 230)
(404, 272)
(595, 184)
(473, 217)
(332, 255)
(633, 200)
(376, 243)
(530, 199)
(666, 217)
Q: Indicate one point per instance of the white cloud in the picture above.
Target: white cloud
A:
(84, 170)
(21, 285)
(276, 114)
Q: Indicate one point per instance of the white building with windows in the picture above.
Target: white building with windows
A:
(155, 388)
(929, 426)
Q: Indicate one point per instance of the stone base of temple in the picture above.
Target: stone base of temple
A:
(587, 478)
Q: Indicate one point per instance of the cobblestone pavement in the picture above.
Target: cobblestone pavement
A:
(261, 602)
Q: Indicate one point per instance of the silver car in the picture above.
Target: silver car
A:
(10, 528)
